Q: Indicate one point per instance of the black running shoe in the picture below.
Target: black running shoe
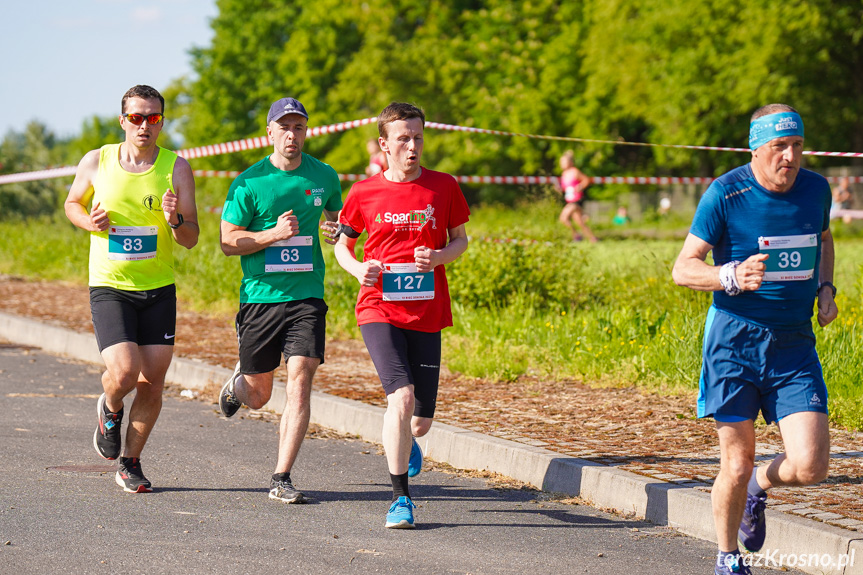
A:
(107, 439)
(130, 477)
(228, 402)
(285, 491)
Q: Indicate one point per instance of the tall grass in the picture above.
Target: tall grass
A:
(526, 302)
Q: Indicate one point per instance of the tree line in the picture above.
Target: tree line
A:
(662, 71)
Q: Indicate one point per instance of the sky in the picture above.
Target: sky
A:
(66, 61)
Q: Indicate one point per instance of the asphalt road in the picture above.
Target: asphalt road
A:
(62, 512)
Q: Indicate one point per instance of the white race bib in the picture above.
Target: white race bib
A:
(792, 258)
(292, 255)
(402, 282)
(132, 243)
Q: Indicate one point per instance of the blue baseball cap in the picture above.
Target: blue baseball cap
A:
(285, 106)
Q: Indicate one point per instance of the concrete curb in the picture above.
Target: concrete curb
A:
(677, 505)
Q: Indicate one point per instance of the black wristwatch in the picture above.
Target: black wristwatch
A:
(180, 217)
(826, 284)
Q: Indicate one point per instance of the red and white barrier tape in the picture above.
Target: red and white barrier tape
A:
(661, 180)
(853, 214)
(453, 128)
(510, 180)
(505, 179)
(38, 175)
(264, 141)
(450, 127)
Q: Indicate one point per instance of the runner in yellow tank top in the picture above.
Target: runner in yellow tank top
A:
(136, 251)
(136, 199)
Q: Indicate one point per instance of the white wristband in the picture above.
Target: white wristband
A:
(728, 278)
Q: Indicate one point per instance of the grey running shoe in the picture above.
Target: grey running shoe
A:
(107, 440)
(285, 491)
(130, 477)
(228, 402)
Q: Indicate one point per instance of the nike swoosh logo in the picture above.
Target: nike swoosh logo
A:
(168, 336)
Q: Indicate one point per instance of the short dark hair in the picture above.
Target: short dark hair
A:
(771, 109)
(398, 111)
(142, 91)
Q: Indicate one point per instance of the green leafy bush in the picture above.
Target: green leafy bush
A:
(541, 275)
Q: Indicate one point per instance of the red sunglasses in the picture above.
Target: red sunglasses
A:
(138, 119)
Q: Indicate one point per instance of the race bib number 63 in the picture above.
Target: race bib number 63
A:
(292, 255)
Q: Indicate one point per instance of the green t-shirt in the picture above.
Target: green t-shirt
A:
(295, 269)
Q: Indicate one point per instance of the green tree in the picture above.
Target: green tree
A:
(36, 148)
(692, 72)
(95, 133)
(670, 71)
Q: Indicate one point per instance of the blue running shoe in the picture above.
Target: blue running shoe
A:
(753, 528)
(401, 514)
(732, 568)
(415, 463)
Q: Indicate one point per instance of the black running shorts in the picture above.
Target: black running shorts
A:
(143, 317)
(405, 357)
(266, 331)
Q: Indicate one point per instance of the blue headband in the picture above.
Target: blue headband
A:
(773, 126)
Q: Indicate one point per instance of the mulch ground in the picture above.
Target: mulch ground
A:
(646, 433)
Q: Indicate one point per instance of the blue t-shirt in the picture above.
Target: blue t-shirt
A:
(739, 218)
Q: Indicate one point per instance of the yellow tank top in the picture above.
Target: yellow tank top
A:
(136, 253)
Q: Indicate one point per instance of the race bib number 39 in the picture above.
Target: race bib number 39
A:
(402, 282)
(291, 255)
(132, 243)
(792, 258)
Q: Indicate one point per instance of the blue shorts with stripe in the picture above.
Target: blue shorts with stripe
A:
(748, 368)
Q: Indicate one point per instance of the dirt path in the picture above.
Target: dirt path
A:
(645, 433)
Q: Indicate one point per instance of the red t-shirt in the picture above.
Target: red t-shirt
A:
(400, 216)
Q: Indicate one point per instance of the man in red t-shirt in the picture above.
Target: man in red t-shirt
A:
(415, 219)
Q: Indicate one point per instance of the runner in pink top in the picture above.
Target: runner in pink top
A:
(415, 219)
(573, 182)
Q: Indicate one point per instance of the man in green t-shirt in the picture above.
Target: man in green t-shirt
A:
(270, 220)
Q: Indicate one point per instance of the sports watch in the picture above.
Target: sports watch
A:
(826, 284)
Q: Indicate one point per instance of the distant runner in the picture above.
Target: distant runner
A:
(573, 184)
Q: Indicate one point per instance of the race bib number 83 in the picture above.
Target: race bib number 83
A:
(402, 282)
(792, 258)
(132, 243)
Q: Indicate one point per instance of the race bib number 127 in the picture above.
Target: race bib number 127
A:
(402, 282)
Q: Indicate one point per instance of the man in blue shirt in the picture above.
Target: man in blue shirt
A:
(767, 224)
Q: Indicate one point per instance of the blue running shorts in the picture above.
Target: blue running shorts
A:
(748, 368)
